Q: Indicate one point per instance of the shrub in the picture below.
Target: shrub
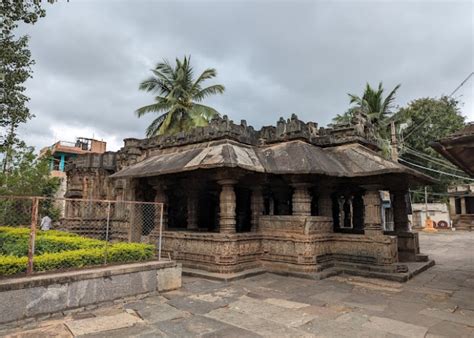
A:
(10, 265)
(15, 242)
(62, 250)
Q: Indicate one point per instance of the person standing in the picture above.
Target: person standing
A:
(45, 223)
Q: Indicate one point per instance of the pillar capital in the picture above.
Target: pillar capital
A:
(301, 185)
(227, 182)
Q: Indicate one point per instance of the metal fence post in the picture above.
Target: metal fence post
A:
(107, 233)
(32, 239)
(161, 230)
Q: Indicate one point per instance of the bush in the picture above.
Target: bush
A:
(61, 250)
(14, 241)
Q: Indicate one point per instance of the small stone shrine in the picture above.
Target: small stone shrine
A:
(291, 198)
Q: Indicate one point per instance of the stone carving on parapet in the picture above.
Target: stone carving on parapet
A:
(359, 129)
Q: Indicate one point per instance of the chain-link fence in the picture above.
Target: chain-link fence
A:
(44, 234)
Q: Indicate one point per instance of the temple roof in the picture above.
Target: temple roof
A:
(290, 157)
(458, 148)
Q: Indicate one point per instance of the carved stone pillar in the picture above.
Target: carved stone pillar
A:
(192, 201)
(161, 197)
(227, 203)
(463, 206)
(271, 206)
(325, 204)
(257, 207)
(400, 211)
(452, 206)
(301, 199)
(372, 213)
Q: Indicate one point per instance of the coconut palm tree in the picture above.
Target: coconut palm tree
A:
(178, 97)
(372, 103)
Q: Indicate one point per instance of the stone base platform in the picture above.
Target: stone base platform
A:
(226, 277)
(412, 269)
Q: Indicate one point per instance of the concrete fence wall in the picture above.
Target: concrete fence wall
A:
(25, 297)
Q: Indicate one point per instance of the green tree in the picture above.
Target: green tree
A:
(28, 175)
(372, 103)
(178, 97)
(15, 69)
(427, 120)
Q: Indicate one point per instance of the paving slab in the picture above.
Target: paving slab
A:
(460, 317)
(286, 303)
(192, 326)
(395, 327)
(57, 330)
(254, 324)
(196, 306)
(331, 296)
(103, 323)
(450, 329)
(138, 330)
(270, 312)
(153, 313)
(437, 303)
(202, 285)
(328, 328)
(231, 332)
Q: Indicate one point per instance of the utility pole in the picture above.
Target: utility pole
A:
(393, 142)
(426, 203)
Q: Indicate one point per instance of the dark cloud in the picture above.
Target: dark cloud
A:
(275, 58)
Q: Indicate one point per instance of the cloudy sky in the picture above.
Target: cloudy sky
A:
(274, 57)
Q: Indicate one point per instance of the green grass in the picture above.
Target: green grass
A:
(62, 250)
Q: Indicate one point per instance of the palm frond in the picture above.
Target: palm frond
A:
(206, 112)
(154, 127)
(161, 105)
(156, 85)
(208, 91)
(387, 103)
(208, 74)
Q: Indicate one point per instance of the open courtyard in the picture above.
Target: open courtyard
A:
(438, 302)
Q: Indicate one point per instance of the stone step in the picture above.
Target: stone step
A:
(422, 258)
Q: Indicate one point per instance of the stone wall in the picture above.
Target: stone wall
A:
(31, 296)
(304, 225)
(303, 244)
(214, 252)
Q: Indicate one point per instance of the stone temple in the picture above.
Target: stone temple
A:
(292, 198)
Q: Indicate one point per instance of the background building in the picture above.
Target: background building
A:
(461, 206)
(63, 151)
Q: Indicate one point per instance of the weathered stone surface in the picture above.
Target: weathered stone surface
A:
(270, 312)
(100, 324)
(410, 308)
(169, 279)
(395, 327)
(447, 328)
(192, 326)
(154, 313)
(52, 299)
(252, 323)
(81, 288)
(465, 317)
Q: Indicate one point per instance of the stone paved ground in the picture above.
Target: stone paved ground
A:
(439, 302)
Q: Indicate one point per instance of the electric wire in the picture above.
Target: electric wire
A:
(436, 171)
